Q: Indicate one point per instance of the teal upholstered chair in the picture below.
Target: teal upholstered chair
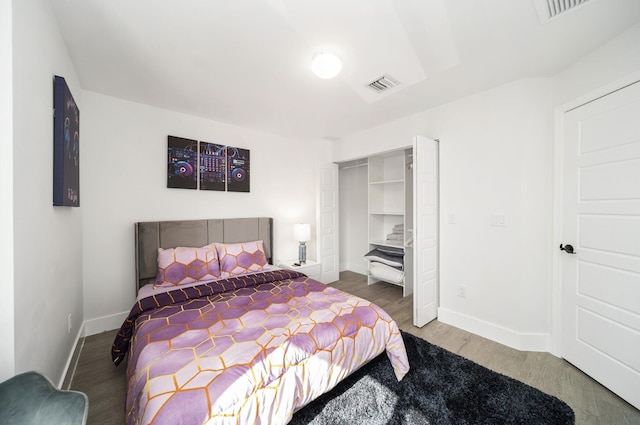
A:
(30, 399)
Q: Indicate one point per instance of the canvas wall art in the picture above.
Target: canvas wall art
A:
(66, 146)
(182, 163)
(238, 168)
(207, 166)
(213, 166)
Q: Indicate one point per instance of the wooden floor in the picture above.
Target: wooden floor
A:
(105, 385)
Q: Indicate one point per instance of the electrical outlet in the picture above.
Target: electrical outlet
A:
(462, 291)
(69, 323)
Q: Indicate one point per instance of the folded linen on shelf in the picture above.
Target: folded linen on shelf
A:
(394, 252)
(397, 234)
(387, 256)
(384, 272)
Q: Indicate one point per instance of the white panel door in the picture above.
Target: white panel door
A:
(327, 221)
(601, 220)
(425, 232)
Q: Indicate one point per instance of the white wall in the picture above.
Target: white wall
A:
(124, 181)
(495, 157)
(47, 240)
(610, 63)
(7, 357)
(354, 242)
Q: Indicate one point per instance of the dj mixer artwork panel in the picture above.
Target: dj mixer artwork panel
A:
(238, 169)
(66, 146)
(182, 163)
(206, 166)
(213, 166)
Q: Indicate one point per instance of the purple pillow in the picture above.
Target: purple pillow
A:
(182, 265)
(240, 258)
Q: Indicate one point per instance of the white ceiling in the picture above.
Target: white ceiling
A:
(246, 62)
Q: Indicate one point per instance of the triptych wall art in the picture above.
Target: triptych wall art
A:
(66, 146)
(193, 164)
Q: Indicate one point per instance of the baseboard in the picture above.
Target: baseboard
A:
(105, 323)
(518, 340)
(72, 360)
(89, 327)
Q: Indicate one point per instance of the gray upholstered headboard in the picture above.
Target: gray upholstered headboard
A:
(152, 235)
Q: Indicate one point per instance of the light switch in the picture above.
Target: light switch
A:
(498, 220)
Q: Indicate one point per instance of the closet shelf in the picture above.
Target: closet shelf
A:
(386, 213)
(387, 182)
(385, 243)
(390, 210)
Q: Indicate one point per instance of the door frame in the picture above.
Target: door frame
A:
(558, 210)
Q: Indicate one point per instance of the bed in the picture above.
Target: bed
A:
(247, 343)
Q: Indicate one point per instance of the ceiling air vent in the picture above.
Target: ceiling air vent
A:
(383, 83)
(550, 9)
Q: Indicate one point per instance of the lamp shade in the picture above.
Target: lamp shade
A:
(302, 232)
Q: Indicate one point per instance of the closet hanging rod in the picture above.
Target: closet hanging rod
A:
(364, 164)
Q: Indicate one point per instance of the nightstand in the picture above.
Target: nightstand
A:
(310, 268)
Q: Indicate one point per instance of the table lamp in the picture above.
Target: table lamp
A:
(302, 233)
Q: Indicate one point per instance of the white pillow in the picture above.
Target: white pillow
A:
(384, 272)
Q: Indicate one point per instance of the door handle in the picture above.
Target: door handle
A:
(567, 248)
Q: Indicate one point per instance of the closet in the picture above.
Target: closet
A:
(388, 201)
(390, 218)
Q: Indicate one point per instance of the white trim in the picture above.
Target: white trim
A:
(618, 84)
(8, 311)
(105, 323)
(520, 341)
(65, 370)
(556, 288)
(92, 327)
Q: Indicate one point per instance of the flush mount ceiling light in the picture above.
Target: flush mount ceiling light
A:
(326, 65)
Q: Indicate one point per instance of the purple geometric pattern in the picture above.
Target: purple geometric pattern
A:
(252, 354)
(241, 258)
(182, 265)
(121, 342)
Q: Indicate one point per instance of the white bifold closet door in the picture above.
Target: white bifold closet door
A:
(425, 231)
(327, 221)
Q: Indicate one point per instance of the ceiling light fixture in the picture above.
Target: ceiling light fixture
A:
(326, 65)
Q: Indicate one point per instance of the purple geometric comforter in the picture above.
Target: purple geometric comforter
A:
(247, 350)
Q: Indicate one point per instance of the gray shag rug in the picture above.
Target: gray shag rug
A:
(441, 388)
